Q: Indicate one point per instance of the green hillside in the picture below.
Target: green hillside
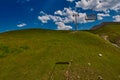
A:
(111, 31)
(32, 54)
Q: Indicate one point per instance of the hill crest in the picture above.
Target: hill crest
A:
(104, 24)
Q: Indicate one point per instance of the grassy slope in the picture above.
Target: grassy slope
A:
(32, 54)
(112, 31)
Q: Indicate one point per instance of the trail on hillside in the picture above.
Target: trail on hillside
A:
(105, 37)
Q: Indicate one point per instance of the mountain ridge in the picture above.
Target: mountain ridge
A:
(104, 24)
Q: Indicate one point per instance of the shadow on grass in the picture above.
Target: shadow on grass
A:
(6, 50)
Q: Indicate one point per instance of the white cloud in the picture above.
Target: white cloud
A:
(62, 26)
(87, 4)
(81, 18)
(117, 18)
(70, 0)
(99, 5)
(55, 18)
(21, 25)
(59, 12)
(68, 13)
(65, 16)
(65, 12)
(44, 18)
(100, 16)
(62, 17)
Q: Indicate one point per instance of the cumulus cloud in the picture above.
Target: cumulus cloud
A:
(65, 16)
(101, 15)
(21, 25)
(44, 18)
(87, 4)
(59, 12)
(62, 17)
(99, 5)
(55, 18)
(117, 18)
(70, 0)
(62, 26)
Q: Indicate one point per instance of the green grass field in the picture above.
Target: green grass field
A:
(112, 31)
(32, 54)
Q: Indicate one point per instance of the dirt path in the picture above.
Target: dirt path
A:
(105, 37)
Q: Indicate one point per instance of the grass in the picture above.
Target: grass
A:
(112, 31)
(32, 54)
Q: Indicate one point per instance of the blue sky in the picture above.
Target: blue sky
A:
(55, 14)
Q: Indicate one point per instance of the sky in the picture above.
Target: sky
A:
(56, 14)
